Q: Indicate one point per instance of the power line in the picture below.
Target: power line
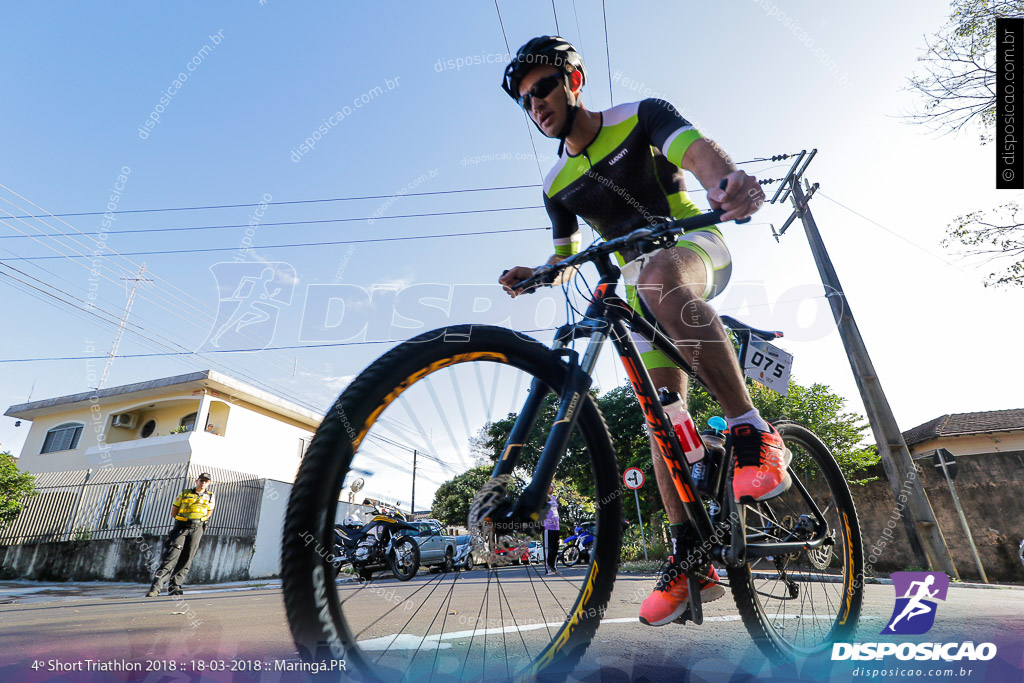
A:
(528, 131)
(558, 31)
(297, 201)
(607, 54)
(282, 246)
(138, 332)
(896, 234)
(245, 225)
(214, 351)
(309, 201)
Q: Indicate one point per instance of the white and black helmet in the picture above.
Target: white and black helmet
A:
(543, 50)
(547, 51)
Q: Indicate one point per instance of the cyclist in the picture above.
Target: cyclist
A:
(619, 170)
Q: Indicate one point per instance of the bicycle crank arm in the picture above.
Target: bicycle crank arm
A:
(696, 612)
(735, 554)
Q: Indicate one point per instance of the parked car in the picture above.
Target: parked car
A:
(537, 552)
(437, 549)
(518, 551)
(464, 552)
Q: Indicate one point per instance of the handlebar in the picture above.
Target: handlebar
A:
(647, 239)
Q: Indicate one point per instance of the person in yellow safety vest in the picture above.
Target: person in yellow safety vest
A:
(191, 511)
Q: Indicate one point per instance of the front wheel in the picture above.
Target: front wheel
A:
(446, 395)
(571, 556)
(797, 604)
(405, 558)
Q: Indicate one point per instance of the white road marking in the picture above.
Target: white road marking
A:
(405, 641)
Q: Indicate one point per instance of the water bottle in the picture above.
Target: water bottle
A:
(681, 421)
(714, 439)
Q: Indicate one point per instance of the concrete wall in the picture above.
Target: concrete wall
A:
(266, 556)
(220, 558)
(991, 490)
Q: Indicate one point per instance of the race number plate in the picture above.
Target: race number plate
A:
(768, 365)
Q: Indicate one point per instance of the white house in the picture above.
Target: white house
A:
(202, 417)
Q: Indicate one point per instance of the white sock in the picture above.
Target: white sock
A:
(751, 417)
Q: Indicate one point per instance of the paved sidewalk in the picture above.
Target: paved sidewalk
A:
(28, 592)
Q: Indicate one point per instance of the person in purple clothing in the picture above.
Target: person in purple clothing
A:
(551, 529)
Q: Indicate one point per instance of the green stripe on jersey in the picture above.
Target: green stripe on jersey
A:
(606, 141)
(677, 149)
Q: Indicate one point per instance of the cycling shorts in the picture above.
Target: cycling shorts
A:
(709, 245)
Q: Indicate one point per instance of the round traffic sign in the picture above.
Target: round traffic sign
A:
(633, 478)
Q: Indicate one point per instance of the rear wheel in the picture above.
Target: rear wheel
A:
(441, 395)
(796, 604)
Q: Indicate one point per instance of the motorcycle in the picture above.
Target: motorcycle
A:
(377, 544)
(577, 547)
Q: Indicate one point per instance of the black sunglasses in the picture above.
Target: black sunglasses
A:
(541, 89)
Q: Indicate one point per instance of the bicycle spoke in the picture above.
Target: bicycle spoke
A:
(443, 412)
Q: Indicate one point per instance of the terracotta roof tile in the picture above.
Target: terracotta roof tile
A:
(962, 424)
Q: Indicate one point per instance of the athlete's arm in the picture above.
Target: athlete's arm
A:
(684, 146)
(742, 195)
(565, 230)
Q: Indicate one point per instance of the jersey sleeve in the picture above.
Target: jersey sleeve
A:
(565, 228)
(177, 501)
(667, 129)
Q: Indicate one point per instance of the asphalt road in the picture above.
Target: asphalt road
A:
(249, 627)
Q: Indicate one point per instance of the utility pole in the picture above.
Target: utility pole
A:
(124, 321)
(412, 505)
(922, 529)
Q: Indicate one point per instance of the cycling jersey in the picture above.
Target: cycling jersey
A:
(192, 505)
(628, 177)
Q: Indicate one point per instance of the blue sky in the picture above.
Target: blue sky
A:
(760, 77)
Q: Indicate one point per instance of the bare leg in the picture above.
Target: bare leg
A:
(671, 285)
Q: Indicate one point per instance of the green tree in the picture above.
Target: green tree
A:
(15, 486)
(815, 407)
(451, 502)
(957, 82)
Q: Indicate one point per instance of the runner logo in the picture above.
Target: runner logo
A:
(916, 593)
(250, 297)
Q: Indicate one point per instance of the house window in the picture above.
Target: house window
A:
(148, 429)
(62, 438)
(189, 422)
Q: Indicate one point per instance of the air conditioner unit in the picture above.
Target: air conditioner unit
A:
(124, 420)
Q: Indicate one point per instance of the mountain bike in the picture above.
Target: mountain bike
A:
(795, 562)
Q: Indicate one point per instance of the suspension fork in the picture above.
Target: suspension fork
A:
(577, 383)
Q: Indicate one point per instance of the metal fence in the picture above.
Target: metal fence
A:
(123, 502)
